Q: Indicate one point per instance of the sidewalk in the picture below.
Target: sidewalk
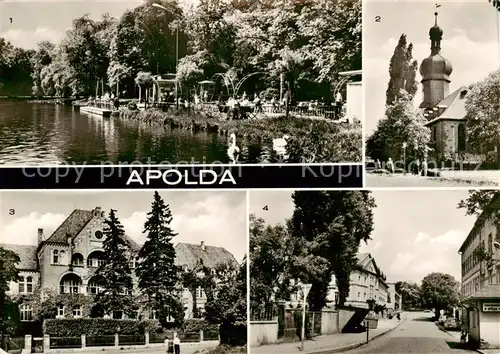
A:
(456, 335)
(330, 343)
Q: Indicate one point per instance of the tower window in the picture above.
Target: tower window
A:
(461, 137)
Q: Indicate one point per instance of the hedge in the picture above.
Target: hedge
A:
(96, 326)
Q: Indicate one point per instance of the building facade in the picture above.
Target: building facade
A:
(393, 298)
(367, 283)
(66, 263)
(480, 285)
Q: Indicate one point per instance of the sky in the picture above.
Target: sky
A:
(39, 20)
(470, 42)
(415, 232)
(218, 218)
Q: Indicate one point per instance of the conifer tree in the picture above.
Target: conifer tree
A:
(402, 71)
(115, 273)
(159, 276)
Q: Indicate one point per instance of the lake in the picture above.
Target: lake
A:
(49, 134)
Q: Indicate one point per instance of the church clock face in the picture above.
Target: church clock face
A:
(98, 234)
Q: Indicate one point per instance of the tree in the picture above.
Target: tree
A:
(483, 114)
(158, 275)
(403, 123)
(115, 274)
(277, 262)
(8, 273)
(228, 305)
(199, 276)
(496, 4)
(440, 292)
(333, 223)
(479, 201)
(144, 80)
(402, 71)
(410, 294)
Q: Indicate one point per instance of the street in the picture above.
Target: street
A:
(418, 334)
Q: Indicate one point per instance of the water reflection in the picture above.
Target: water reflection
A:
(32, 134)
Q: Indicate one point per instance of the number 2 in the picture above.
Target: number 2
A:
(378, 18)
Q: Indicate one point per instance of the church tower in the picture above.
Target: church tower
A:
(435, 71)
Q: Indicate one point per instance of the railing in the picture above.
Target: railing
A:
(267, 314)
(211, 334)
(132, 340)
(65, 342)
(157, 337)
(100, 341)
(102, 104)
(48, 343)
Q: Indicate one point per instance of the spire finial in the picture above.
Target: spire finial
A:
(436, 13)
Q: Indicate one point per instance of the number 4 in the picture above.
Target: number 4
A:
(265, 208)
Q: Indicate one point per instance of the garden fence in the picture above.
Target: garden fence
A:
(58, 344)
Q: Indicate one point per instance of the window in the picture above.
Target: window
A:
(461, 138)
(29, 285)
(98, 234)
(77, 311)
(199, 292)
(21, 285)
(77, 260)
(26, 312)
(60, 311)
(152, 315)
(94, 288)
(359, 295)
(55, 257)
(133, 262)
(117, 315)
(25, 285)
(70, 284)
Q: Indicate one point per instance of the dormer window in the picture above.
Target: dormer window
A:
(463, 93)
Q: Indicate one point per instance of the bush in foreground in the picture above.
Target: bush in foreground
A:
(227, 349)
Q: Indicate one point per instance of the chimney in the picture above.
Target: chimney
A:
(40, 236)
(97, 211)
(203, 245)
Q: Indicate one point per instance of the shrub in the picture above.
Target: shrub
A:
(95, 326)
(227, 349)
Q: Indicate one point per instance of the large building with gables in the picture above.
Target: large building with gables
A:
(66, 262)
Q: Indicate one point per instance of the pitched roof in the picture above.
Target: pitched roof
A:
(455, 106)
(27, 254)
(363, 259)
(187, 254)
(74, 223)
(72, 226)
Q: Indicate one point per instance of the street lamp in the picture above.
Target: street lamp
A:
(176, 49)
(305, 291)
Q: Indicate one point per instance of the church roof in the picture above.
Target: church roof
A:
(27, 254)
(187, 254)
(454, 105)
